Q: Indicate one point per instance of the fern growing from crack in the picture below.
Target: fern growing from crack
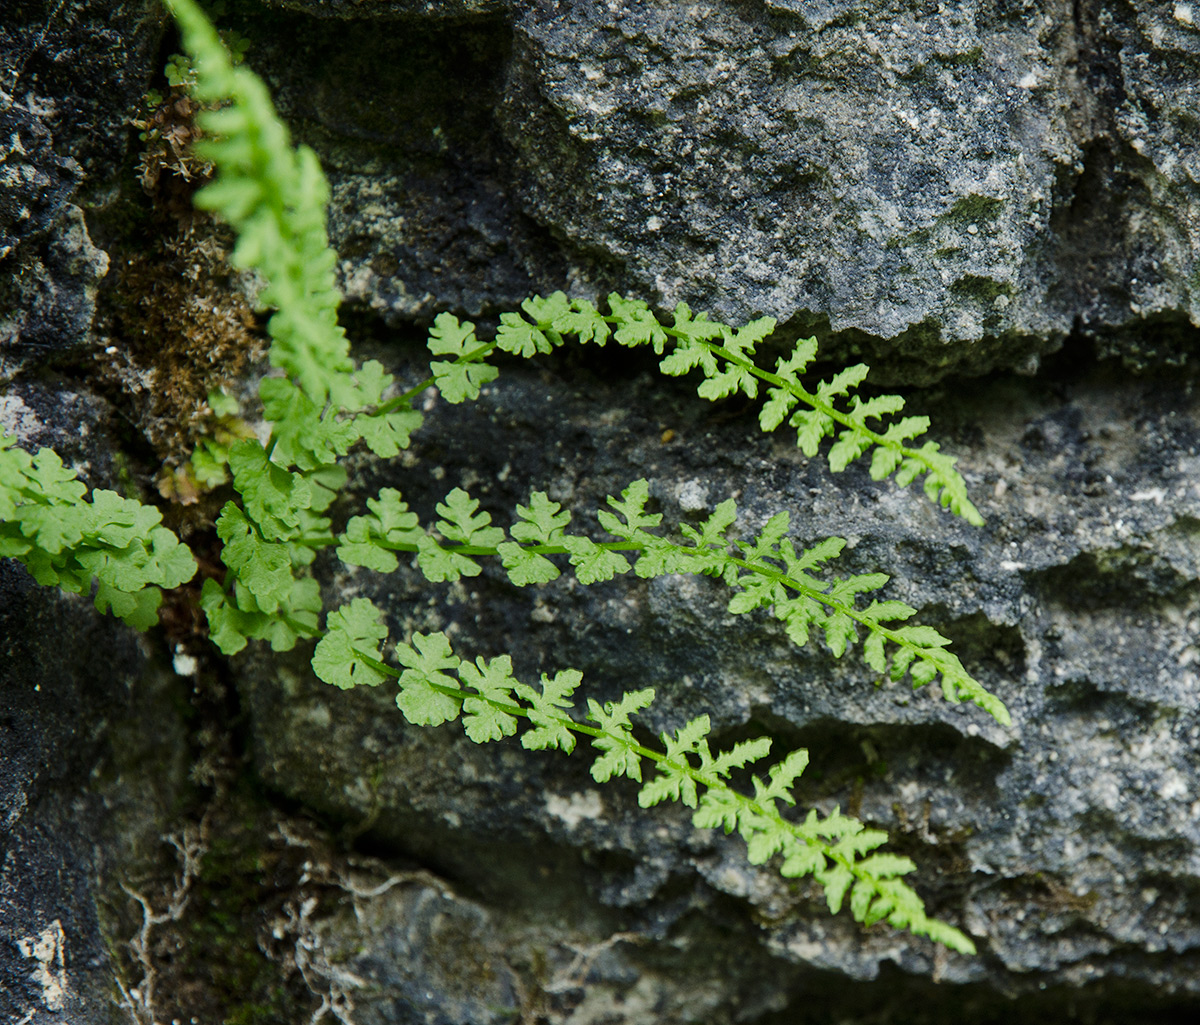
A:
(324, 403)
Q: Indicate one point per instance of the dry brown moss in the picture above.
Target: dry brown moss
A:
(179, 322)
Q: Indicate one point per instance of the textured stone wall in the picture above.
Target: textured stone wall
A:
(949, 187)
(995, 203)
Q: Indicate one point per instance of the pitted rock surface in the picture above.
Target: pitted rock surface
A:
(1067, 845)
(949, 191)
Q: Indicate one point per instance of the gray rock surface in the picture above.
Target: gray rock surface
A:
(948, 191)
(393, 8)
(1067, 845)
(72, 75)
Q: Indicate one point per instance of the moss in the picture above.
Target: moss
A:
(920, 237)
(973, 208)
(981, 289)
(175, 320)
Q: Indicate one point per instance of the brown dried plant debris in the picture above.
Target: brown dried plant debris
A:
(180, 327)
(168, 168)
(179, 321)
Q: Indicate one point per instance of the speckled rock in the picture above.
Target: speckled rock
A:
(71, 77)
(393, 8)
(418, 953)
(947, 191)
(49, 268)
(67, 817)
(1067, 845)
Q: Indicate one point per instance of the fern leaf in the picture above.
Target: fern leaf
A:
(712, 531)
(836, 879)
(619, 755)
(717, 808)
(300, 436)
(631, 506)
(672, 780)
(636, 325)
(439, 564)
(742, 753)
(766, 545)
(359, 546)
(525, 567)
(263, 568)
(354, 630)
(697, 328)
(584, 321)
(366, 538)
(460, 522)
(541, 522)
(685, 358)
(783, 775)
(275, 197)
(459, 382)
(138, 608)
(592, 563)
(462, 378)
(547, 711)
(518, 336)
(427, 694)
(484, 718)
(271, 495)
(449, 337)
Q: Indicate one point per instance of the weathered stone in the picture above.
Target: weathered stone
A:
(393, 8)
(72, 76)
(65, 674)
(944, 191)
(1066, 845)
(947, 191)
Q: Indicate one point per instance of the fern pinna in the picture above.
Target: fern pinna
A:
(322, 403)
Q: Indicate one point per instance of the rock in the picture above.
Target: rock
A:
(66, 674)
(51, 297)
(1065, 845)
(393, 8)
(72, 76)
(947, 193)
(418, 953)
(48, 299)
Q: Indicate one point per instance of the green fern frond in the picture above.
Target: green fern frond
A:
(275, 196)
(837, 851)
(763, 572)
(112, 543)
(725, 357)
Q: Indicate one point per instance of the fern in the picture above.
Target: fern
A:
(437, 687)
(114, 543)
(322, 403)
(763, 572)
(725, 357)
(275, 197)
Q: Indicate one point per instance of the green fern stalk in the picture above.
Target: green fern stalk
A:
(835, 850)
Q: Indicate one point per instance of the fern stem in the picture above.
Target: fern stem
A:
(707, 780)
(405, 400)
(969, 512)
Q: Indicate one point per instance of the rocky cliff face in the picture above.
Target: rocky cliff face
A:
(944, 191)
